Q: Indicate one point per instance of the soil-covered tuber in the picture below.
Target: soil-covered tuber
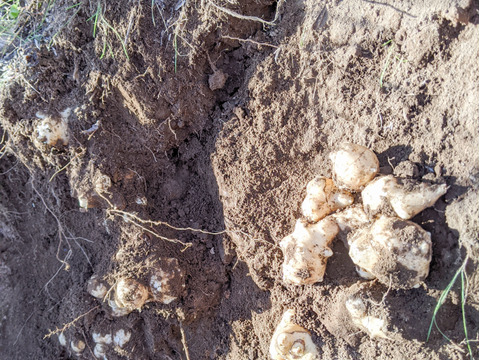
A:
(306, 251)
(53, 131)
(360, 312)
(166, 280)
(130, 294)
(96, 287)
(395, 251)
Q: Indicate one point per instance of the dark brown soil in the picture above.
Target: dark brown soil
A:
(217, 123)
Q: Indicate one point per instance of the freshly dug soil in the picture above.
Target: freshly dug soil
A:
(194, 128)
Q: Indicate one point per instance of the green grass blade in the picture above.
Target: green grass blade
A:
(97, 14)
(387, 42)
(441, 332)
(153, 15)
(442, 299)
(118, 36)
(463, 315)
(74, 6)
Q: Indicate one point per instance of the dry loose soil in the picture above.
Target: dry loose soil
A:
(213, 115)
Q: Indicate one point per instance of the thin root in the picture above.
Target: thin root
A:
(245, 17)
(250, 41)
(66, 326)
(184, 341)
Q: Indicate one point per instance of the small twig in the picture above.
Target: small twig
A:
(31, 86)
(71, 323)
(64, 263)
(154, 157)
(132, 219)
(84, 253)
(137, 221)
(107, 294)
(13, 167)
(88, 346)
(390, 163)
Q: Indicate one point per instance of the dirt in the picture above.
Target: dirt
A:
(199, 147)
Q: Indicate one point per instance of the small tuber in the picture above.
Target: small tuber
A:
(306, 251)
(292, 342)
(353, 166)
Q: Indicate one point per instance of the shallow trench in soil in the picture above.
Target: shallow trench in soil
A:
(198, 147)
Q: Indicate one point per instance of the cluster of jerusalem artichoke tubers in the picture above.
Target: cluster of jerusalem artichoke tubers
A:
(165, 284)
(382, 242)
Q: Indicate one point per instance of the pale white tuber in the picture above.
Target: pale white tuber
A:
(100, 350)
(96, 287)
(121, 338)
(103, 339)
(306, 251)
(53, 131)
(130, 294)
(291, 341)
(395, 251)
(404, 196)
(323, 198)
(166, 280)
(101, 342)
(374, 326)
(353, 166)
(61, 339)
(77, 346)
(141, 200)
